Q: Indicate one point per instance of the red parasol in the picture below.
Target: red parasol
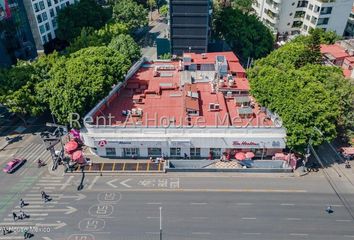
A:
(240, 156)
(78, 157)
(71, 146)
(249, 155)
(279, 156)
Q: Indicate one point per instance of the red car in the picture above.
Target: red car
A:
(13, 165)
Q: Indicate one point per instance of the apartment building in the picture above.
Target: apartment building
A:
(299, 17)
(42, 18)
(349, 29)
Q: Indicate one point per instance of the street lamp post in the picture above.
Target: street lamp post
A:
(160, 223)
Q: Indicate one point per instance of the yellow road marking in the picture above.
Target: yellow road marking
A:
(137, 167)
(123, 167)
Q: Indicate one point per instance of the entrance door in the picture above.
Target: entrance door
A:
(129, 152)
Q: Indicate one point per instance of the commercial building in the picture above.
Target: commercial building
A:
(299, 17)
(189, 26)
(42, 18)
(196, 107)
(16, 41)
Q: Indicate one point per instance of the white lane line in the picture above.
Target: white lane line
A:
(51, 177)
(199, 203)
(344, 220)
(93, 182)
(32, 219)
(200, 218)
(287, 204)
(201, 233)
(293, 219)
(34, 214)
(244, 204)
(66, 183)
(249, 218)
(251, 233)
(11, 237)
(154, 203)
(299, 234)
(33, 206)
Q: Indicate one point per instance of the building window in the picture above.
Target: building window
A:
(322, 21)
(55, 1)
(49, 3)
(308, 17)
(39, 18)
(36, 7)
(305, 27)
(44, 39)
(51, 12)
(67, 3)
(130, 152)
(47, 26)
(41, 5)
(317, 9)
(311, 7)
(175, 152)
(154, 151)
(216, 152)
(110, 152)
(42, 29)
(326, 10)
(54, 23)
(44, 16)
(313, 20)
(49, 35)
(62, 5)
(57, 8)
(195, 152)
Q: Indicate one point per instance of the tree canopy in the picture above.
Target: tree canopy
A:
(130, 13)
(126, 45)
(245, 34)
(82, 79)
(84, 13)
(306, 96)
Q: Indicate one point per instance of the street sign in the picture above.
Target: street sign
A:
(102, 143)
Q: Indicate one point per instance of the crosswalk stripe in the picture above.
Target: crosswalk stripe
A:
(32, 219)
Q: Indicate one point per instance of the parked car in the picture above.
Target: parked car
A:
(13, 165)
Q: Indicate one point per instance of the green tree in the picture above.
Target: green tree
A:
(84, 13)
(305, 97)
(244, 5)
(82, 79)
(126, 45)
(245, 34)
(164, 10)
(130, 13)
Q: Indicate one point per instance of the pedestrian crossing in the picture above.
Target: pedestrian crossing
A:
(34, 151)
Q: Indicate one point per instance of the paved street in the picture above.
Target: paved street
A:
(194, 206)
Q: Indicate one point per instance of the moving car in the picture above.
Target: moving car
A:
(13, 165)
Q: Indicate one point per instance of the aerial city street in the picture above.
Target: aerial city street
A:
(178, 120)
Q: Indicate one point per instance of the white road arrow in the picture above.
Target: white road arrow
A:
(67, 210)
(110, 183)
(47, 238)
(55, 225)
(124, 183)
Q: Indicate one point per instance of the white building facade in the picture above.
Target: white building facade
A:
(42, 17)
(299, 17)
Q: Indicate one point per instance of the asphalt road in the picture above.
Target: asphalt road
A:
(194, 206)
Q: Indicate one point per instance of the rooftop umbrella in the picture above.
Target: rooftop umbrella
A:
(240, 156)
(71, 146)
(249, 155)
(78, 157)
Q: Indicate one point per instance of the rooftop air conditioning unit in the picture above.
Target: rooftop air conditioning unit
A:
(229, 94)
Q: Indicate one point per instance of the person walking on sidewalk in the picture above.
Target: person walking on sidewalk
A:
(14, 215)
(22, 203)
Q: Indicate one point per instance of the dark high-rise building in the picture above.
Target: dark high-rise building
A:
(16, 41)
(189, 26)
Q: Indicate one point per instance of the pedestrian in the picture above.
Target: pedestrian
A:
(22, 203)
(14, 216)
(26, 234)
(43, 194)
(4, 231)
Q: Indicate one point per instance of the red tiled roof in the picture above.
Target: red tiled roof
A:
(335, 50)
(347, 73)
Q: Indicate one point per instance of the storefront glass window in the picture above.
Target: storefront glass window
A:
(110, 152)
(154, 151)
(195, 152)
(216, 152)
(128, 152)
(175, 152)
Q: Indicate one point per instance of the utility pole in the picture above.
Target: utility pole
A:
(160, 223)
